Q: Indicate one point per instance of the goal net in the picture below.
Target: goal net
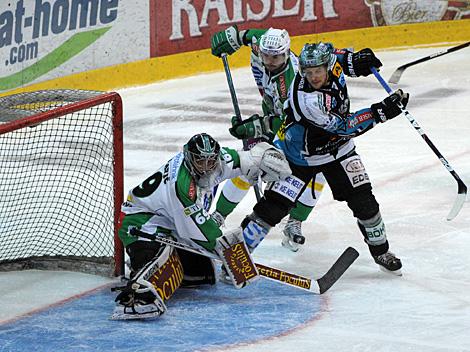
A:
(61, 181)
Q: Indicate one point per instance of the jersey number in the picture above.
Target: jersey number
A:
(149, 186)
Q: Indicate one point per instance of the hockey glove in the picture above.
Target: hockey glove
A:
(390, 107)
(226, 42)
(253, 127)
(359, 63)
(266, 161)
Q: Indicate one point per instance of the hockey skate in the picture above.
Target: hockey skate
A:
(293, 237)
(136, 301)
(389, 263)
(224, 276)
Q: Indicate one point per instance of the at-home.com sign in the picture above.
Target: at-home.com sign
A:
(185, 25)
(23, 25)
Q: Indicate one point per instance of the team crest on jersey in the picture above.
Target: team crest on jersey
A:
(337, 69)
(281, 133)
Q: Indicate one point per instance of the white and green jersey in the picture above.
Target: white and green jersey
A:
(273, 88)
(170, 201)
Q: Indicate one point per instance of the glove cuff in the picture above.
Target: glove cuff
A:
(378, 112)
(349, 69)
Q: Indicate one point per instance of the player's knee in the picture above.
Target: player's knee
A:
(363, 205)
(255, 229)
(272, 208)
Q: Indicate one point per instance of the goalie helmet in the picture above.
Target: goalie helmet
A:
(202, 157)
(313, 55)
(275, 42)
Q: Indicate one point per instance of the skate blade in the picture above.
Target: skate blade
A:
(287, 243)
(396, 272)
(148, 312)
(126, 316)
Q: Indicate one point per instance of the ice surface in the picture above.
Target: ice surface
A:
(428, 309)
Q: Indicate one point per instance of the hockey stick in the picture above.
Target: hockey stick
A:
(236, 108)
(318, 286)
(399, 71)
(462, 188)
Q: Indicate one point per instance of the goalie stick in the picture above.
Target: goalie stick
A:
(236, 108)
(316, 286)
(395, 77)
(462, 188)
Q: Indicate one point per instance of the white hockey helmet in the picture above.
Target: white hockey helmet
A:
(275, 42)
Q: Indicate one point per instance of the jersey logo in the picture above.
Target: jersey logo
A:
(282, 87)
(191, 210)
(289, 188)
(192, 190)
(281, 133)
(337, 70)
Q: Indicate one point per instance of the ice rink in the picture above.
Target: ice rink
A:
(427, 309)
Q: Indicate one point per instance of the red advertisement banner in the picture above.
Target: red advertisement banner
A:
(184, 25)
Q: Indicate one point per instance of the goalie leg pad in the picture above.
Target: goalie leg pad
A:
(236, 258)
(144, 295)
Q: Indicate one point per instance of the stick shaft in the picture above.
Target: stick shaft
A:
(440, 53)
(267, 272)
(236, 108)
(462, 188)
(395, 77)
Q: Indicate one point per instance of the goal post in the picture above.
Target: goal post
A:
(61, 181)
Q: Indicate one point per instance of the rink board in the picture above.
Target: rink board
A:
(204, 318)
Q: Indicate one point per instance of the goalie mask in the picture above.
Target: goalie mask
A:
(202, 158)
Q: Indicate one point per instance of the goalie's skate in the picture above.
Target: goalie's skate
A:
(389, 263)
(224, 276)
(138, 301)
(293, 237)
(138, 311)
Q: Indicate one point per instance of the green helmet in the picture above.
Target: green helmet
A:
(313, 55)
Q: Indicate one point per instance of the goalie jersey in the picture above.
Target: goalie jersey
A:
(169, 201)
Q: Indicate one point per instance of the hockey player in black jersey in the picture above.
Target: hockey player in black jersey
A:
(317, 136)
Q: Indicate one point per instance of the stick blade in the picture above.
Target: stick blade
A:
(396, 75)
(338, 269)
(458, 204)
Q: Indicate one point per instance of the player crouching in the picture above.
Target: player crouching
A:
(174, 202)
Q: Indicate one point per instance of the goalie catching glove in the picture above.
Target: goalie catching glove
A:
(265, 160)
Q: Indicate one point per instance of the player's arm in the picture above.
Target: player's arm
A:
(312, 108)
